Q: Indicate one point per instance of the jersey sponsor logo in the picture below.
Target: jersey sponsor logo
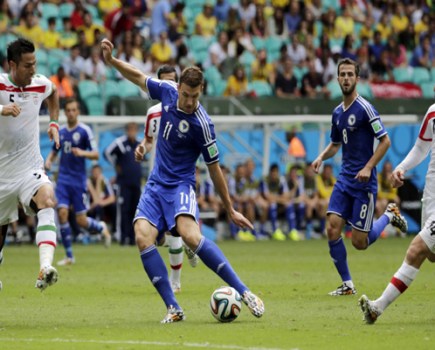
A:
(183, 126)
(377, 126)
(212, 150)
(76, 137)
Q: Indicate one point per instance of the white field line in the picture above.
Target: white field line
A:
(138, 342)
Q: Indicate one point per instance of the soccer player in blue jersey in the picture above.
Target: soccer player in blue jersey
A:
(169, 201)
(76, 145)
(355, 126)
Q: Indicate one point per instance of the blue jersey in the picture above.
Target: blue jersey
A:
(356, 129)
(72, 169)
(182, 138)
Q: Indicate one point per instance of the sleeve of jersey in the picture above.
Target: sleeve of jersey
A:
(157, 88)
(91, 144)
(335, 134)
(209, 148)
(376, 122)
(42, 80)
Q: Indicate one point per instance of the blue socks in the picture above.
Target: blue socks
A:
(94, 225)
(158, 274)
(338, 253)
(65, 233)
(377, 228)
(273, 215)
(216, 261)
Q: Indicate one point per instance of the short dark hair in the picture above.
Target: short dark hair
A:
(71, 100)
(192, 76)
(166, 69)
(347, 60)
(19, 47)
(274, 167)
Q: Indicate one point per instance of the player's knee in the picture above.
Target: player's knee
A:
(333, 232)
(360, 244)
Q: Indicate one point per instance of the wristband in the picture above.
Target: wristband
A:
(1, 109)
(54, 124)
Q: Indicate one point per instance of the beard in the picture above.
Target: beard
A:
(348, 90)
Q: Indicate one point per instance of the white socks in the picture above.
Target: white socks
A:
(46, 236)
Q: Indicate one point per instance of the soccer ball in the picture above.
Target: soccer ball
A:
(225, 304)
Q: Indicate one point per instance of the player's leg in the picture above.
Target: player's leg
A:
(80, 203)
(43, 203)
(175, 260)
(338, 211)
(3, 232)
(66, 235)
(417, 253)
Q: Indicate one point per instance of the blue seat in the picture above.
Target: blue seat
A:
(128, 89)
(66, 9)
(420, 75)
(49, 10)
(335, 89)
(365, 90)
(427, 89)
(261, 88)
(402, 74)
(109, 89)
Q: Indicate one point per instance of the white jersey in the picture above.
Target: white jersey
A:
(152, 126)
(19, 136)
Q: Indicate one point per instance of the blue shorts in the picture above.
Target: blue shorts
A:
(76, 196)
(160, 206)
(357, 207)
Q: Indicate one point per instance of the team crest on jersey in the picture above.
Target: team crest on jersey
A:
(76, 137)
(183, 126)
(351, 120)
(35, 99)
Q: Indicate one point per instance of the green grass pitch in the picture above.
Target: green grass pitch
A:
(105, 301)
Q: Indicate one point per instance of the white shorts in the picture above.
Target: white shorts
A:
(428, 208)
(427, 234)
(20, 191)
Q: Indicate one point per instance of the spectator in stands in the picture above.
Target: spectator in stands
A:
(315, 8)
(84, 48)
(237, 84)
(328, 22)
(51, 36)
(344, 24)
(138, 45)
(177, 20)
(233, 22)
(159, 18)
(312, 83)
(376, 47)
(397, 52)
(424, 54)
(276, 23)
(366, 30)
(94, 67)
(364, 59)
(286, 85)
(384, 27)
(358, 10)
(107, 6)
(119, 21)
(326, 66)
(399, 20)
(240, 38)
(120, 153)
(64, 86)
(88, 27)
(349, 50)
(382, 70)
(30, 29)
(68, 38)
(293, 17)
(218, 51)
(221, 10)
(206, 22)
(258, 26)
(126, 54)
(262, 70)
(422, 26)
(246, 10)
(102, 197)
(323, 44)
(407, 37)
(296, 51)
(74, 65)
(77, 14)
(161, 50)
(5, 16)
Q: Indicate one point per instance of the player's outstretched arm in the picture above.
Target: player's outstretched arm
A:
(127, 70)
(221, 187)
(53, 110)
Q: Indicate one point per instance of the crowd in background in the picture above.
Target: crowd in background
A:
(286, 48)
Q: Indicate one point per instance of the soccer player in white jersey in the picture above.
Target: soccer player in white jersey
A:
(422, 246)
(169, 200)
(22, 176)
(152, 125)
(355, 126)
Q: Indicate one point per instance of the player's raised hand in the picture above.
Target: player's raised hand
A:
(397, 177)
(139, 152)
(11, 110)
(107, 47)
(53, 134)
(240, 220)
